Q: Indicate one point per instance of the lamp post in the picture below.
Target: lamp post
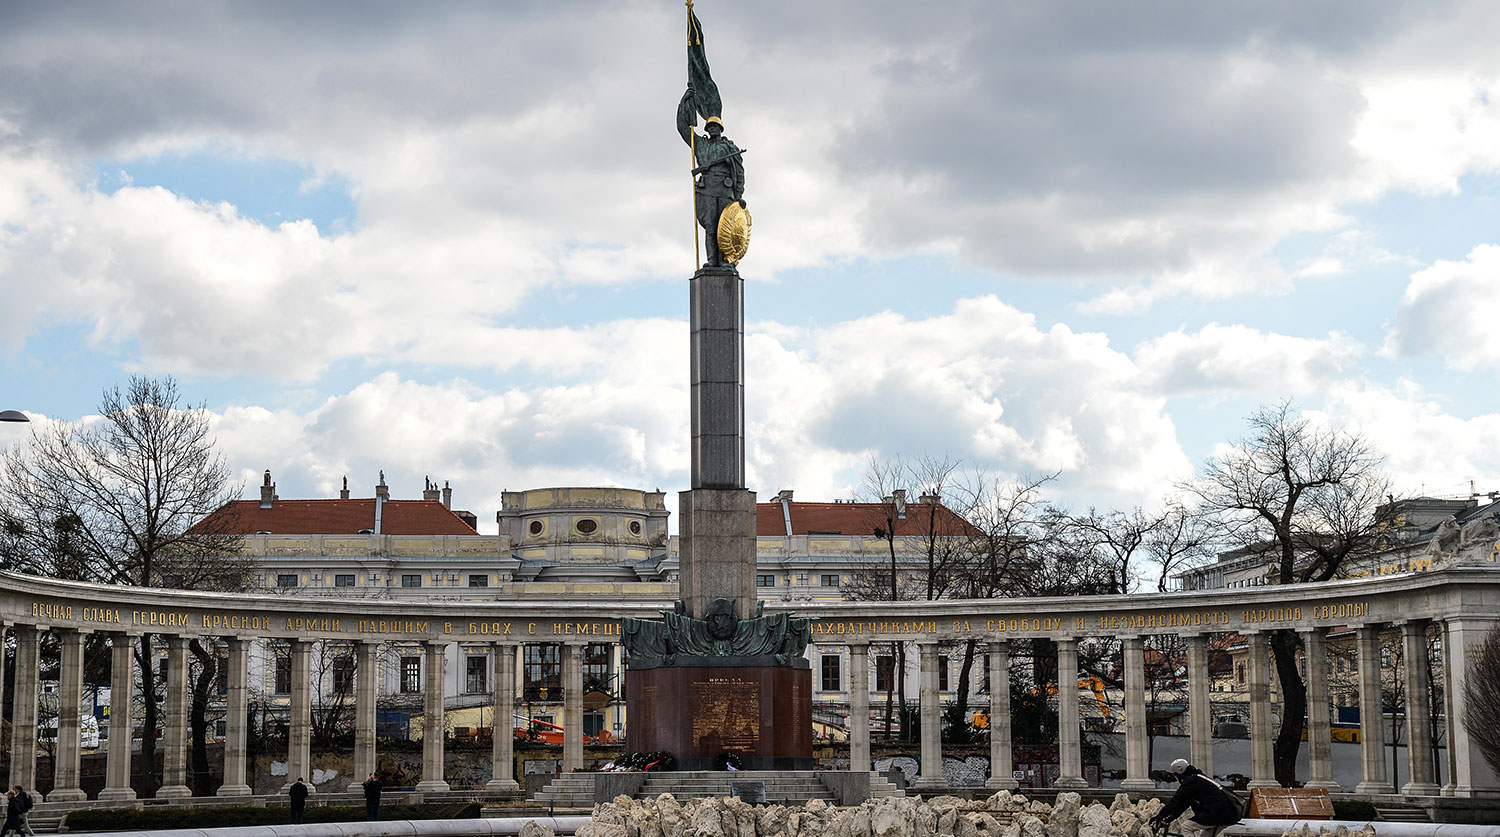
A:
(13, 415)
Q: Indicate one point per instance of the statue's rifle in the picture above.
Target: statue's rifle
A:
(706, 166)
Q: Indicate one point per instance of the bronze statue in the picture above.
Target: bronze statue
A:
(718, 164)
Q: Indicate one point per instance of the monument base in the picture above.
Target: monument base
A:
(701, 707)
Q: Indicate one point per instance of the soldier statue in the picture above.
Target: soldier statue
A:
(718, 164)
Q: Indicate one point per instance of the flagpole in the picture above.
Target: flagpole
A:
(693, 156)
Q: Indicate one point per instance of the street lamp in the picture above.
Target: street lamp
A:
(13, 415)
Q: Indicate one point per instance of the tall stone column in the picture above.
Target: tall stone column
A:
(1002, 759)
(931, 709)
(1371, 714)
(859, 707)
(503, 746)
(1069, 740)
(69, 708)
(1261, 765)
(1319, 746)
(1472, 776)
(121, 719)
(572, 665)
(1200, 710)
(1137, 757)
(433, 722)
(1450, 716)
(174, 736)
(299, 728)
(236, 717)
(1418, 711)
(23, 710)
(366, 664)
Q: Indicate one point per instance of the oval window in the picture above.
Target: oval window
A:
(635, 527)
(587, 526)
(536, 527)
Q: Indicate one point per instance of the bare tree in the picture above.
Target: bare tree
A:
(1306, 497)
(122, 499)
(1482, 699)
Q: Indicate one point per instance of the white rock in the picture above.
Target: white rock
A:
(532, 828)
(1093, 821)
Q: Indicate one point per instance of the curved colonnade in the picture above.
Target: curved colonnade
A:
(1463, 603)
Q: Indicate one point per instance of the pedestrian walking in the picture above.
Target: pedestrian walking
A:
(298, 793)
(372, 798)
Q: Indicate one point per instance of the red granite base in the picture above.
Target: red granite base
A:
(701, 707)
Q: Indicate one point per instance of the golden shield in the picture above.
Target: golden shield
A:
(734, 232)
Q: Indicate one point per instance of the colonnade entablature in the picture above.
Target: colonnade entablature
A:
(52, 604)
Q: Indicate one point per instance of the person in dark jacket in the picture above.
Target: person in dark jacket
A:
(372, 798)
(12, 814)
(1211, 806)
(298, 793)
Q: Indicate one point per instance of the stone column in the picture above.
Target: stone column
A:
(1418, 712)
(1450, 728)
(366, 664)
(23, 710)
(1069, 741)
(236, 717)
(1371, 714)
(859, 707)
(299, 727)
(1002, 759)
(1319, 747)
(572, 714)
(503, 747)
(175, 733)
(1261, 764)
(121, 721)
(69, 708)
(1472, 776)
(1137, 757)
(1200, 710)
(433, 722)
(932, 725)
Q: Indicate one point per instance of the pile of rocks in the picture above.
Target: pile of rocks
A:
(1002, 815)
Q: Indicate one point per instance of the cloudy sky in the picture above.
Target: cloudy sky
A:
(452, 239)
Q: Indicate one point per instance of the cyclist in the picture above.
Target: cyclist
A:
(1211, 805)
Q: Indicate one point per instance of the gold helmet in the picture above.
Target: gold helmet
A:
(713, 119)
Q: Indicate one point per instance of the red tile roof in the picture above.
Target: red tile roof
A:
(855, 519)
(338, 517)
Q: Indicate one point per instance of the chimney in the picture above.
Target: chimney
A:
(344, 492)
(448, 496)
(267, 491)
(899, 498)
(929, 499)
(429, 489)
(382, 491)
(784, 497)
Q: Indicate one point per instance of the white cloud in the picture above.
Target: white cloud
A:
(1235, 359)
(1451, 309)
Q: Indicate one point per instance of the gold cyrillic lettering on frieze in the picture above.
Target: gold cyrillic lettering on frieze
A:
(158, 619)
(1159, 621)
(318, 624)
(1341, 610)
(1271, 614)
(235, 622)
(391, 626)
(489, 628)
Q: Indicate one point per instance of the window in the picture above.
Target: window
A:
(283, 684)
(411, 674)
(220, 728)
(343, 580)
(536, 527)
(942, 672)
(286, 580)
(411, 580)
(587, 526)
(479, 581)
(1239, 673)
(343, 673)
(828, 580)
(885, 670)
(1387, 657)
(476, 674)
(635, 527)
(597, 657)
(541, 666)
(765, 581)
(831, 672)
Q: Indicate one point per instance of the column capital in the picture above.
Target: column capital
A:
(998, 644)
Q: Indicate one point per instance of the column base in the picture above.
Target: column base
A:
(1137, 785)
(926, 783)
(432, 787)
(1373, 787)
(1001, 783)
(67, 795)
(1070, 782)
(1325, 784)
(1410, 789)
(228, 790)
(502, 785)
(1263, 783)
(173, 791)
(116, 794)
